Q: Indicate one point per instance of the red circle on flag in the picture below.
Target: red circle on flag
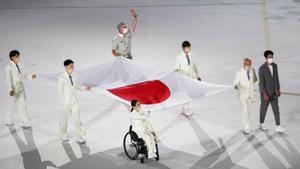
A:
(149, 92)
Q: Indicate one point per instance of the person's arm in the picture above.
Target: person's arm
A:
(255, 79)
(26, 75)
(60, 89)
(262, 84)
(149, 126)
(29, 76)
(177, 64)
(115, 47)
(134, 20)
(261, 81)
(81, 87)
(195, 67)
(138, 116)
(236, 80)
(9, 81)
(278, 83)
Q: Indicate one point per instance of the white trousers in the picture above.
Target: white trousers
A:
(70, 109)
(150, 142)
(18, 101)
(245, 101)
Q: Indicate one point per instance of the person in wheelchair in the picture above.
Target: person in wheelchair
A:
(143, 128)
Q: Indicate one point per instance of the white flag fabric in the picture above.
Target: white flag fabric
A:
(125, 79)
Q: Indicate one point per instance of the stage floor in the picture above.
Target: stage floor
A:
(222, 33)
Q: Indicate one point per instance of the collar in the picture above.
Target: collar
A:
(121, 35)
(67, 74)
(13, 63)
(183, 54)
(266, 63)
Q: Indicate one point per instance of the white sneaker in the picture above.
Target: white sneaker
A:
(262, 127)
(26, 124)
(80, 140)
(9, 123)
(187, 113)
(280, 129)
(246, 131)
(64, 138)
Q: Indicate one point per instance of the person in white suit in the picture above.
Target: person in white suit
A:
(15, 75)
(143, 128)
(244, 82)
(67, 91)
(186, 65)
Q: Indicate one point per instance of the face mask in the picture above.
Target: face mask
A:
(17, 60)
(186, 50)
(247, 67)
(70, 71)
(270, 60)
(125, 30)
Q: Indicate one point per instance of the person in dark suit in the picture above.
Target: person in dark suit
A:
(269, 90)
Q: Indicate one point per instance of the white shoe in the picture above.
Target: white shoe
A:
(187, 113)
(262, 127)
(246, 131)
(9, 123)
(80, 140)
(26, 124)
(64, 138)
(280, 129)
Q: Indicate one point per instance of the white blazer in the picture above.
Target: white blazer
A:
(14, 79)
(246, 86)
(140, 123)
(66, 90)
(183, 67)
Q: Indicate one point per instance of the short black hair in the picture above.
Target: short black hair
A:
(267, 53)
(13, 53)
(68, 62)
(133, 103)
(186, 44)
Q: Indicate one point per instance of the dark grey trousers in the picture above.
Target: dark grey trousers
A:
(264, 107)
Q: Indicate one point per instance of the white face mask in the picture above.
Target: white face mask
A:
(247, 68)
(70, 71)
(270, 60)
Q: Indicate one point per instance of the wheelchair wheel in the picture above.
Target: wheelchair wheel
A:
(142, 160)
(157, 153)
(130, 148)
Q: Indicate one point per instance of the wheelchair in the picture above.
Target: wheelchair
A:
(134, 146)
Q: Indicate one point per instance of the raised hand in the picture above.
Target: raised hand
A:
(133, 13)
